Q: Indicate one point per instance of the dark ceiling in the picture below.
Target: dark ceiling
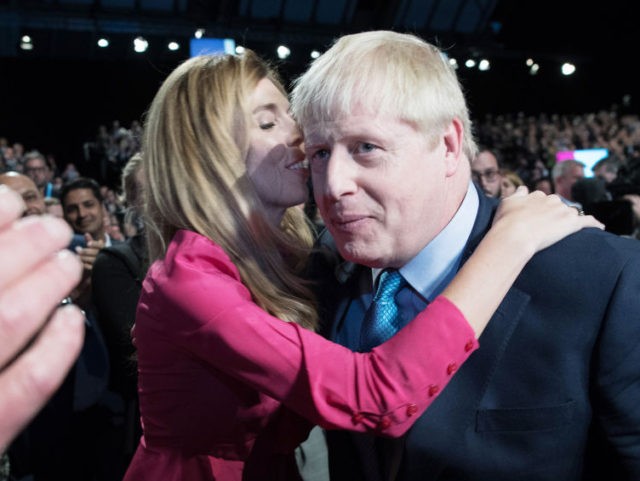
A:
(497, 27)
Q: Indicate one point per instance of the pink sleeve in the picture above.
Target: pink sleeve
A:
(211, 314)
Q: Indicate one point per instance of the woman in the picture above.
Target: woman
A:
(225, 385)
(509, 183)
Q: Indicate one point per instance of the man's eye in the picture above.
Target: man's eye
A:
(365, 147)
(319, 155)
(267, 125)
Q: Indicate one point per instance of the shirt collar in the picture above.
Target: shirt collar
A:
(436, 264)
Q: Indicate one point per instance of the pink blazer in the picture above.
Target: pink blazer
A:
(224, 387)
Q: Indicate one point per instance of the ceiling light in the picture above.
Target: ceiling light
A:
(314, 54)
(283, 51)
(173, 46)
(239, 49)
(140, 44)
(199, 33)
(484, 65)
(103, 42)
(568, 68)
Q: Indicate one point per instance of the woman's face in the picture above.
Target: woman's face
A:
(507, 187)
(275, 161)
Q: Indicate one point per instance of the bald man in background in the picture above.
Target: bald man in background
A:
(27, 189)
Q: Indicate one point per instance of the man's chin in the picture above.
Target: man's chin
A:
(360, 254)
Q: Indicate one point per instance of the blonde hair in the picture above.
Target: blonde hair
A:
(513, 177)
(195, 144)
(400, 74)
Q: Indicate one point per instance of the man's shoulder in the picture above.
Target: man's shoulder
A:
(588, 257)
(599, 243)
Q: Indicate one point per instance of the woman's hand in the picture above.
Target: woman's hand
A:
(37, 273)
(538, 219)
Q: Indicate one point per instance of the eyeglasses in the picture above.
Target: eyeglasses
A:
(489, 175)
(33, 170)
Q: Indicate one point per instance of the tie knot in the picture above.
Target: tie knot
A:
(389, 284)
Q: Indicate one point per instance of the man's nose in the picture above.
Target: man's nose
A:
(339, 175)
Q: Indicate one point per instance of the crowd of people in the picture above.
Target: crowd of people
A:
(187, 372)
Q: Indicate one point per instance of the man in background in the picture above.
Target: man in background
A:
(27, 189)
(36, 167)
(485, 172)
(565, 174)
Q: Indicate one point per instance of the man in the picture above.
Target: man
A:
(24, 186)
(83, 210)
(565, 174)
(606, 169)
(552, 393)
(36, 167)
(485, 172)
(82, 207)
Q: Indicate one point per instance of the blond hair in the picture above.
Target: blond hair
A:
(195, 144)
(392, 74)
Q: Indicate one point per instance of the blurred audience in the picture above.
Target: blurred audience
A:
(116, 283)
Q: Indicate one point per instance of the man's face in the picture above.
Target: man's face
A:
(485, 173)
(382, 188)
(566, 181)
(84, 213)
(38, 171)
(31, 196)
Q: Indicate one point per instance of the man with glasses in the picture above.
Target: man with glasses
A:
(485, 172)
(36, 167)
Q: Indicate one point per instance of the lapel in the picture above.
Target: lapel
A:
(445, 424)
(337, 283)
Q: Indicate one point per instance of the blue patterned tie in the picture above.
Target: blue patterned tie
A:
(382, 319)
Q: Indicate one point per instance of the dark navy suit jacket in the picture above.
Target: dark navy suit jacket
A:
(552, 394)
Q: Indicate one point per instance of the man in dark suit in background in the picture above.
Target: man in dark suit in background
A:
(553, 392)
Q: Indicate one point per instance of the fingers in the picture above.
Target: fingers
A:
(88, 254)
(521, 191)
(589, 221)
(26, 302)
(11, 206)
(31, 379)
(27, 242)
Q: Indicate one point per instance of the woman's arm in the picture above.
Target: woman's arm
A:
(198, 302)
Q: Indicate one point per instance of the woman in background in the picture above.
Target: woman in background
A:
(509, 183)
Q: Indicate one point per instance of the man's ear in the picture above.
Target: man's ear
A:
(453, 137)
